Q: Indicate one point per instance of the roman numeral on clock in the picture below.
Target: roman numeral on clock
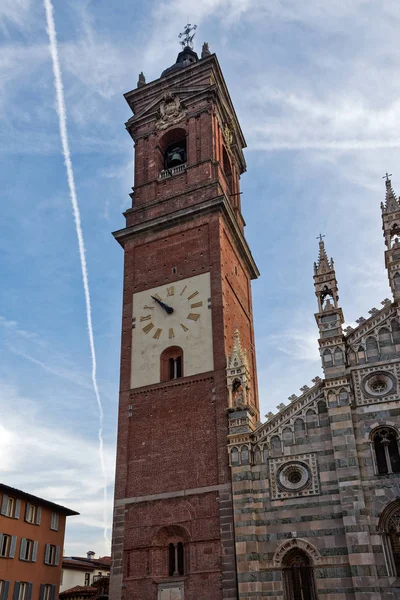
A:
(171, 291)
(157, 334)
(193, 295)
(193, 316)
(148, 328)
(146, 318)
(196, 305)
(184, 327)
(171, 333)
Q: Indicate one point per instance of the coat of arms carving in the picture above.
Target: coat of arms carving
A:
(170, 112)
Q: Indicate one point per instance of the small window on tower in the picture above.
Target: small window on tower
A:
(171, 363)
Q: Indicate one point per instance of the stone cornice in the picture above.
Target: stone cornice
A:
(220, 203)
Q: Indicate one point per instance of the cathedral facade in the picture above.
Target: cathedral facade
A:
(210, 503)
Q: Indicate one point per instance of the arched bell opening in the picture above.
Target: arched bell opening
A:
(226, 165)
(173, 150)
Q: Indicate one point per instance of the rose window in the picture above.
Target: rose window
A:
(294, 477)
(379, 384)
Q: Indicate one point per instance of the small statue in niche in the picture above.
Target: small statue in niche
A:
(142, 80)
(237, 391)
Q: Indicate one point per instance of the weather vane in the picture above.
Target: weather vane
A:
(185, 37)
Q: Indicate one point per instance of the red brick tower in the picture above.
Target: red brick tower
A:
(186, 290)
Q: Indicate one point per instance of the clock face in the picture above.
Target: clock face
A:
(170, 311)
(175, 314)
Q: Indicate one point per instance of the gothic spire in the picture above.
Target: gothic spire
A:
(391, 202)
(323, 265)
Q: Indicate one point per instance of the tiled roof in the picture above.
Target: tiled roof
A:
(79, 590)
(87, 563)
(77, 564)
(36, 499)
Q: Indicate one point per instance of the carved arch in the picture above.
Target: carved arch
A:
(299, 544)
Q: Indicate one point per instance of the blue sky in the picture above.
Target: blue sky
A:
(316, 90)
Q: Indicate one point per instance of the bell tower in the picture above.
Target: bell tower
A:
(329, 316)
(187, 290)
(391, 232)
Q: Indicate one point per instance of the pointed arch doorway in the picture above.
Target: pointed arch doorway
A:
(298, 576)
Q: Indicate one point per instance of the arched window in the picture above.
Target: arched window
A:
(298, 576)
(396, 331)
(339, 357)
(245, 455)
(361, 354)
(396, 280)
(385, 341)
(234, 457)
(386, 449)
(287, 436)
(169, 544)
(299, 430)
(389, 526)
(226, 164)
(343, 397)
(372, 347)
(311, 419)
(176, 559)
(276, 446)
(352, 357)
(171, 363)
(327, 358)
(322, 409)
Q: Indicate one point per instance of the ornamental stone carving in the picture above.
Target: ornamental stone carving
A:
(292, 544)
(171, 111)
(293, 476)
(238, 375)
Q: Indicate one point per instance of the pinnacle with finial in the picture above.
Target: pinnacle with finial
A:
(323, 265)
(391, 202)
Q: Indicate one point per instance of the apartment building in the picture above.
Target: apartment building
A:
(31, 542)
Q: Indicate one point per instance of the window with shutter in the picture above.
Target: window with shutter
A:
(54, 521)
(26, 549)
(5, 545)
(4, 501)
(52, 555)
(31, 513)
(4, 589)
(10, 507)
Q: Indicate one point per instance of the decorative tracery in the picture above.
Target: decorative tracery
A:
(389, 526)
(386, 450)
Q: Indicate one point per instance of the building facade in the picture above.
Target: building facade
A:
(210, 503)
(31, 541)
(83, 570)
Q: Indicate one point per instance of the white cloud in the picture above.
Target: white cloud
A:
(38, 451)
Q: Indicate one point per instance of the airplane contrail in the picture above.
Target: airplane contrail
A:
(62, 120)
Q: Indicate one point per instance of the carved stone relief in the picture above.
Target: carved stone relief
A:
(171, 111)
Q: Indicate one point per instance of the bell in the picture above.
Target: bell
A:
(174, 158)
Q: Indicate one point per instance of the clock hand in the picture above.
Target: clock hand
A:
(168, 309)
